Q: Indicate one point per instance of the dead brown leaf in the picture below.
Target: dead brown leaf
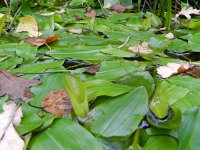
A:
(42, 41)
(142, 48)
(173, 69)
(90, 13)
(15, 87)
(194, 71)
(118, 8)
(92, 69)
(57, 103)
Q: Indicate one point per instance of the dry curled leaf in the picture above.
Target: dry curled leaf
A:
(90, 13)
(75, 30)
(57, 103)
(187, 13)
(194, 71)
(92, 69)
(9, 138)
(141, 48)
(173, 69)
(118, 8)
(28, 24)
(15, 87)
(42, 41)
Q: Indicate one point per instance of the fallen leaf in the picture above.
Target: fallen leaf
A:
(92, 69)
(141, 48)
(42, 41)
(75, 30)
(187, 13)
(9, 138)
(15, 87)
(28, 24)
(194, 71)
(118, 8)
(57, 103)
(62, 10)
(169, 35)
(90, 13)
(173, 69)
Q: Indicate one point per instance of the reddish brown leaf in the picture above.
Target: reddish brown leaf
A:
(92, 69)
(15, 87)
(90, 13)
(52, 38)
(118, 8)
(194, 71)
(57, 103)
(37, 41)
(42, 41)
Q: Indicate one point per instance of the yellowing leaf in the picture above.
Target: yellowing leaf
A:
(9, 139)
(29, 25)
(141, 48)
(187, 13)
(172, 69)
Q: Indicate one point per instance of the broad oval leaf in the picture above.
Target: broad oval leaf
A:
(120, 116)
(189, 131)
(94, 88)
(161, 142)
(77, 92)
(64, 134)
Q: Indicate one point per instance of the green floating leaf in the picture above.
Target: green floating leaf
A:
(25, 50)
(159, 103)
(37, 68)
(189, 131)
(137, 79)
(29, 122)
(159, 43)
(89, 53)
(161, 142)
(188, 101)
(64, 134)
(77, 92)
(120, 116)
(10, 62)
(94, 88)
(188, 82)
(111, 70)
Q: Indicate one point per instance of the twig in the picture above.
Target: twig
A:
(48, 46)
(5, 1)
(128, 38)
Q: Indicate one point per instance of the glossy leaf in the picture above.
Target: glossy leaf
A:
(189, 131)
(161, 142)
(64, 134)
(120, 116)
(94, 89)
(77, 93)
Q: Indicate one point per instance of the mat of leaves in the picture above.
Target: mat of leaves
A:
(101, 79)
